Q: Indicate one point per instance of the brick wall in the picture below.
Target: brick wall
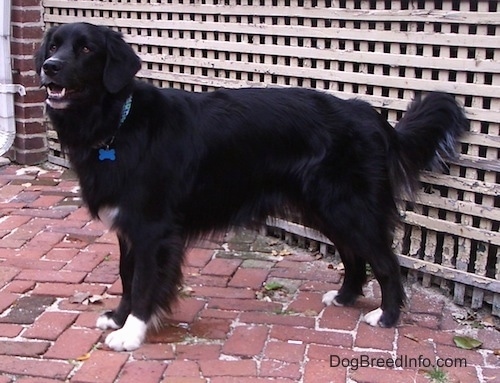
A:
(30, 145)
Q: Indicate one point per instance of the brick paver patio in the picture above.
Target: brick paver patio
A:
(59, 271)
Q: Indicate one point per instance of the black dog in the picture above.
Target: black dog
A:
(163, 166)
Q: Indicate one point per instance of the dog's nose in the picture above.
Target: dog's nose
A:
(52, 66)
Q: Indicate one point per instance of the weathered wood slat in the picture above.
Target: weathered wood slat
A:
(425, 38)
(486, 18)
(461, 230)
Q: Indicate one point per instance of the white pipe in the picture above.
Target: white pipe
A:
(7, 89)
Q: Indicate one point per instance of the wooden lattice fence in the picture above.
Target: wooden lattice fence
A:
(384, 52)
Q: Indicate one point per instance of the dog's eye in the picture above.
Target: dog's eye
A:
(85, 49)
(52, 48)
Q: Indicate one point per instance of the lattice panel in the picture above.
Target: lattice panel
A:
(385, 52)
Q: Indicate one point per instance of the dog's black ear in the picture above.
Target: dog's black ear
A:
(121, 63)
(43, 52)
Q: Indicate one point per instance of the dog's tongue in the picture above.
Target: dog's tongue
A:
(55, 91)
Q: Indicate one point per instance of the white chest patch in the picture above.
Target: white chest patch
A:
(107, 215)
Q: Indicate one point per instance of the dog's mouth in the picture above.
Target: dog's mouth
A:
(59, 97)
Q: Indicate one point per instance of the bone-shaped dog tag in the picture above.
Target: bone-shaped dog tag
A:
(107, 154)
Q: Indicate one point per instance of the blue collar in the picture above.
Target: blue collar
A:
(105, 152)
(125, 110)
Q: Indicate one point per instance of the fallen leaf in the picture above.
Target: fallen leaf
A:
(83, 357)
(413, 338)
(79, 297)
(271, 286)
(467, 343)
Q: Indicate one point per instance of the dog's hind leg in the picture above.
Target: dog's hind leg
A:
(355, 278)
(362, 233)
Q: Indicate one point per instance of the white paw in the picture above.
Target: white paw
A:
(106, 323)
(373, 317)
(129, 337)
(329, 298)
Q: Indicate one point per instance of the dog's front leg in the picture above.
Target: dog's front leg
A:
(151, 273)
(115, 319)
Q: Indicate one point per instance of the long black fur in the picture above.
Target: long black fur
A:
(190, 163)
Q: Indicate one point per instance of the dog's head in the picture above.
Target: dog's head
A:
(78, 61)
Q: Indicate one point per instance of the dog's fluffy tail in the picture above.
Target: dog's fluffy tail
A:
(427, 132)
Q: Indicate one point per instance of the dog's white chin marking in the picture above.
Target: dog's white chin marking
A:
(106, 323)
(329, 298)
(129, 337)
(107, 215)
(373, 317)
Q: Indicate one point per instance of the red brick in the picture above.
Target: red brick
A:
(410, 347)
(242, 368)
(243, 305)
(423, 302)
(249, 278)
(375, 337)
(26, 349)
(195, 279)
(168, 334)
(142, 371)
(186, 310)
(198, 351)
(85, 261)
(220, 314)
(322, 352)
(311, 336)
(19, 287)
(423, 334)
(278, 318)
(305, 274)
(308, 303)
(246, 341)
(6, 300)
(35, 380)
(221, 292)
(61, 254)
(102, 367)
(42, 368)
(198, 257)
(67, 289)
(88, 319)
(375, 375)
(340, 318)
(280, 369)
(221, 266)
(155, 351)
(7, 274)
(285, 351)
(9, 330)
(50, 325)
(239, 379)
(186, 368)
(321, 372)
(73, 343)
(472, 357)
(210, 328)
(12, 221)
(52, 276)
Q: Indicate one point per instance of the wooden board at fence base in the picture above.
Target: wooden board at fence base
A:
(383, 52)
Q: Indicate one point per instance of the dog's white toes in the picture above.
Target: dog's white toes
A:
(373, 317)
(129, 337)
(106, 323)
(330, 298)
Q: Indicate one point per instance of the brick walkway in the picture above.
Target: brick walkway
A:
(59, 271)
